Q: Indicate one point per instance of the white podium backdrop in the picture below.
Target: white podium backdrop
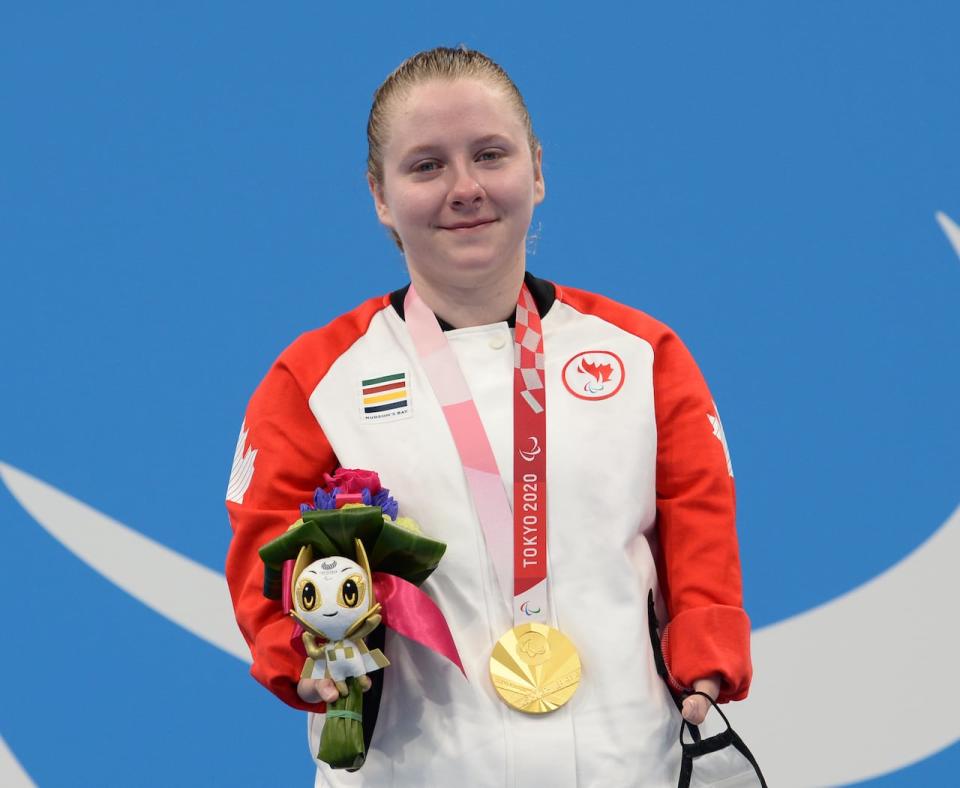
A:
(182, 193)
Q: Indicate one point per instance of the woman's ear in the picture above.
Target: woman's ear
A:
(376, 191)
(539, 187)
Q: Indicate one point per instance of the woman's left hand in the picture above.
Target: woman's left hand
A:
(695, 707)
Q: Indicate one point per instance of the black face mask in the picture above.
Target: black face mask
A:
(697, 746)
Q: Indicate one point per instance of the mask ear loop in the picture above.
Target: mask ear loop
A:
(660, 662)
(715, 743)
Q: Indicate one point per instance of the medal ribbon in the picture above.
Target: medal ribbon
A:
(529, 515)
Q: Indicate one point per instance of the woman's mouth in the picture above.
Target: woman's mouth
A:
(468, 227)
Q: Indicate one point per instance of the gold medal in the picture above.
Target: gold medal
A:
(535, 668)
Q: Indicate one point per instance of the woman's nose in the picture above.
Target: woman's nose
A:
(466, 191)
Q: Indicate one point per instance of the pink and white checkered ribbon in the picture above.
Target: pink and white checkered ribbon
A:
(528, 517)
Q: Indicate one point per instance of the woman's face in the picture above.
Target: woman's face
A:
(459, 182)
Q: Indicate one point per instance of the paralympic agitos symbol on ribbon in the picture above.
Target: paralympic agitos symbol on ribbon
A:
(533, 451)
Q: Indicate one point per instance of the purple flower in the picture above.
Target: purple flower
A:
(389, 506)
(321, 500)
(328, 500)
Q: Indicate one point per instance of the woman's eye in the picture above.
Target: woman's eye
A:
(489, 155)
(425, 166)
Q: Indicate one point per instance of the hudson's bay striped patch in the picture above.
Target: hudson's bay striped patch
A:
(386, 396)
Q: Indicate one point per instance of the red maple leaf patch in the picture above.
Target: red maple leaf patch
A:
(599, 372)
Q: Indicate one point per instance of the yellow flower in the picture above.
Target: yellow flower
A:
(405, 522)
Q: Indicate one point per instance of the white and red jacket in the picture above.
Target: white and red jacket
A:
(640, 497)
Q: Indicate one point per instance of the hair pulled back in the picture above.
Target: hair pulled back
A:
(441, 63)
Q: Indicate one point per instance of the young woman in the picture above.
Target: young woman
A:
(607, 447)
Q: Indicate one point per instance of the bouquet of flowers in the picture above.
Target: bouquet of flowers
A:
(347, 565)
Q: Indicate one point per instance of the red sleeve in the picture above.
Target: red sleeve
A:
(699, 563)
(709, 631)
(281, 458)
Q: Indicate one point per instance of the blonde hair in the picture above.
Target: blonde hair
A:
(441, 63)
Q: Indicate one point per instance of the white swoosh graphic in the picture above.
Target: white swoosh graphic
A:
(849, 690)
(863, 684)
(951, 230)
(12, 774)
(173, 585)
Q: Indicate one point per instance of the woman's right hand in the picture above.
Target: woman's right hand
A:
(325, 690)
(317, 690)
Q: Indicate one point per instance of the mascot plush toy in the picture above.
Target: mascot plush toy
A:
(333, 601)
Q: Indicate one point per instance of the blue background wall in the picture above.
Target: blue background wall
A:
(182, 193)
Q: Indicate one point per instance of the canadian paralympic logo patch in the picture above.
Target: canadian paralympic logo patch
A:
(594, 374)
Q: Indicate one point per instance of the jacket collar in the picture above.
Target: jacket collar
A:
(544, 294)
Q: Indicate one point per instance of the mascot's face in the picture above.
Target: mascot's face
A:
(331, 594)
